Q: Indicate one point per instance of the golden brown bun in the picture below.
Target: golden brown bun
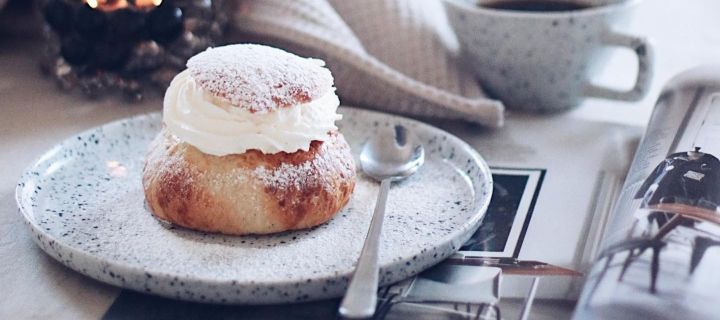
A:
(249, 193)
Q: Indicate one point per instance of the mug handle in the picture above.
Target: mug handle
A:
(645, 57)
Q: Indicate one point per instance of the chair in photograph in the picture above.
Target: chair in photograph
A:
(668, 216)
(680, 215)
(635, 248)
(682, 191)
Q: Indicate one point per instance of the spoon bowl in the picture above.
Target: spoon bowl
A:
(394, 153)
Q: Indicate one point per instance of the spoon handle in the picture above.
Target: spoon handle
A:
(361, 297)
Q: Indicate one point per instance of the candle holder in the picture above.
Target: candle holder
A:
(125, 46)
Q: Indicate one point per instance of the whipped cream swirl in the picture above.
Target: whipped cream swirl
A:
(218, 128)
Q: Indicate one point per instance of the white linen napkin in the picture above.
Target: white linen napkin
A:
(397, 56)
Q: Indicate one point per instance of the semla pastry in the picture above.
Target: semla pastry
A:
(249, 144)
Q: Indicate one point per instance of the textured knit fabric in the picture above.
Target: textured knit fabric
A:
(397, 56)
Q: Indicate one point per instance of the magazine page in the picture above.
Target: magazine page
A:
(660, 256)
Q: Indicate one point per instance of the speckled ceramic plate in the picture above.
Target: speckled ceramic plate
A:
(83, 201)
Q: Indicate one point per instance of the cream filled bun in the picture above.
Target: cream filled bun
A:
(249, 144)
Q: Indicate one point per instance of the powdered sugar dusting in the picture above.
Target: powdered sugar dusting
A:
(287, 175)
(310, 173)
(259, 78)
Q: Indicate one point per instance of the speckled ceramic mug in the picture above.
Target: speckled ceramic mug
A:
(545, 60)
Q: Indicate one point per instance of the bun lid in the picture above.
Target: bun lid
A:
(259, 78)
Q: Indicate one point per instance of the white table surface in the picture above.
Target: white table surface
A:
(34, 116)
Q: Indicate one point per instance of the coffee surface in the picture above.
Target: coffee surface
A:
(536, 6)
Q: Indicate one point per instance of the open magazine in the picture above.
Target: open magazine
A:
(661, 249)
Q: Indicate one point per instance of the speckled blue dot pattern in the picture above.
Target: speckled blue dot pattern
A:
(545, 61)
(83, 201)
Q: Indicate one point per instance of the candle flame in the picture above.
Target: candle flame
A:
(147, 3)
(107, 5)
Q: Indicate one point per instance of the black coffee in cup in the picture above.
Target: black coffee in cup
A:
(535, 5)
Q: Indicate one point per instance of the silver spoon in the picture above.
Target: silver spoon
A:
(392, 155)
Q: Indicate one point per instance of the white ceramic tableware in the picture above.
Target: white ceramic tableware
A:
(546, 61)
(83, 202)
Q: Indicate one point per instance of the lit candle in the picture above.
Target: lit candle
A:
(107, 5)
(147, 3)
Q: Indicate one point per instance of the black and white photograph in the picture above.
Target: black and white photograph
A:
(501, 233)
